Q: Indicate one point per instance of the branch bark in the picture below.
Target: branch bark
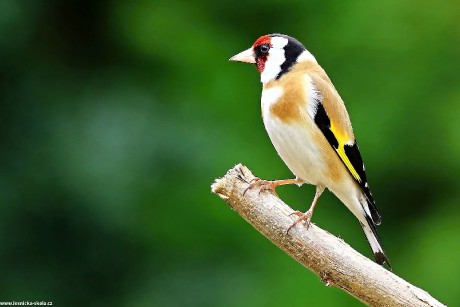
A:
(334, 261)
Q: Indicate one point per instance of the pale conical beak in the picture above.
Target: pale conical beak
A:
(246, 56)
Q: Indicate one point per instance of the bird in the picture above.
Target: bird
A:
(309, 126)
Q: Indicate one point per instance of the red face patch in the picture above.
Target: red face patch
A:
(261, 60)
(262, 40)
(260, 63)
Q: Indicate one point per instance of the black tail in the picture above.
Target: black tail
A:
(374, 241)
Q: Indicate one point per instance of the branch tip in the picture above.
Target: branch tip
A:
(333, 260)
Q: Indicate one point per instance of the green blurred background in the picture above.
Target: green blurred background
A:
(116, 116)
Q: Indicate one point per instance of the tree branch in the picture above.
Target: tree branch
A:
(334, 261)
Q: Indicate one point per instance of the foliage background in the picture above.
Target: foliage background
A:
(116, 116)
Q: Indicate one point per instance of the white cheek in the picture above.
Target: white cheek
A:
(273, 65)
(275, 59)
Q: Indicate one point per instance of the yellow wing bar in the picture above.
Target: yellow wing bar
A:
(341, 140)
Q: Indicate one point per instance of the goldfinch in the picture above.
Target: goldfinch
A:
(309, 126)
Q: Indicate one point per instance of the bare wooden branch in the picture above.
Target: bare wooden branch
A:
(334, 261)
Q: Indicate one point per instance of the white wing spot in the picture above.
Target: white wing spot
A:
(313, 98)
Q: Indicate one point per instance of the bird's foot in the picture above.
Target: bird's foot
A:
(264, 185)
(301, 217)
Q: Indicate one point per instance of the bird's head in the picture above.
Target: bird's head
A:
(274, 54)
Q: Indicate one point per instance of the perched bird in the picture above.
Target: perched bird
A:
(309, 126)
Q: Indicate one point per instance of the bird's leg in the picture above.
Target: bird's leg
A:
(307, 215)
(271, 185)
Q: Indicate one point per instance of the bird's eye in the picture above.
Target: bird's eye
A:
(264, 48)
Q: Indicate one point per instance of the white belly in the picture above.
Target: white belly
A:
(301, 147)
(297, 149)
